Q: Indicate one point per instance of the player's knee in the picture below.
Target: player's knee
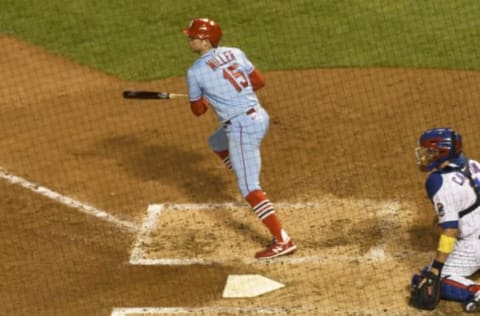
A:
(215, 144)
(211, 142)
(456, 291)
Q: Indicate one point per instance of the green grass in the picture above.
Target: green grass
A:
(141, 39)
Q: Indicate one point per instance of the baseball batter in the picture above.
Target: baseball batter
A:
(223, 78)
(453, 187)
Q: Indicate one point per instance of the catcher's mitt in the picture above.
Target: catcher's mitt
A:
(426, 293)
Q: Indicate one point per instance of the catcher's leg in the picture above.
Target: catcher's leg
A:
(457, 288)
(460, 264)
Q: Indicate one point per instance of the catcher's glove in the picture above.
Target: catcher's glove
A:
(426, 292)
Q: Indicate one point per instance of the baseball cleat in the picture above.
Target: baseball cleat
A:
(276, 249)
(472, 305)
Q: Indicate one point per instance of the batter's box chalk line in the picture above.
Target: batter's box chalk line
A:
(303, 309)
(68, 201)
(377, 253)
(125, 311)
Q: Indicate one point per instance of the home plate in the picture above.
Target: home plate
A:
(249, 285)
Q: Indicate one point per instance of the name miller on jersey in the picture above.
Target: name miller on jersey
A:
(222, 59)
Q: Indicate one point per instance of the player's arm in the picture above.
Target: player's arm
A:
(448, 225)
(426, 286)
(446, 243)
(199, 106)
(257, 79)
(198, 103)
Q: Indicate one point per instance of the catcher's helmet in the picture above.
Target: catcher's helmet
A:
(204, 28)
(436, 146)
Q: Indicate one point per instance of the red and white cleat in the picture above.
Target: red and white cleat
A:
(276, 249)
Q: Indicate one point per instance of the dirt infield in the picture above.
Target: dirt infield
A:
(338, 161)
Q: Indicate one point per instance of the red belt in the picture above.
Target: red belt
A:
(250, 111)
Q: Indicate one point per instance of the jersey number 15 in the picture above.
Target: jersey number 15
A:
(236, 77)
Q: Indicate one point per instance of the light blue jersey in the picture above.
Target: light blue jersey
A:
(226, 79)
(222, 77)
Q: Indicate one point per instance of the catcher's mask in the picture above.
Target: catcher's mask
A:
(204, 28)
(436, 146)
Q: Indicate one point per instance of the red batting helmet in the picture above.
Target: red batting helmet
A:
(204, 28)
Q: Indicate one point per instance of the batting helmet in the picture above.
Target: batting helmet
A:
(204, 28)
(436, 146)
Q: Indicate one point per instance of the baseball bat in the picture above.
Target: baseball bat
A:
(128, 94)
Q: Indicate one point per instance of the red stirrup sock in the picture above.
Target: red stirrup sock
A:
(264, 209)
(224, 155)
(474, 288)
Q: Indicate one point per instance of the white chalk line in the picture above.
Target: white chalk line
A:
(315, 259)
(375, 254)
(148, 225)
(295, 310)
(153, 212)
(122, 311)
(226, 205)
(70, 202)
(136, 258)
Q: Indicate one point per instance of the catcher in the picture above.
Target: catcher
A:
(453, 187)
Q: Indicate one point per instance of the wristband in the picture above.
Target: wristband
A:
(437, 265)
